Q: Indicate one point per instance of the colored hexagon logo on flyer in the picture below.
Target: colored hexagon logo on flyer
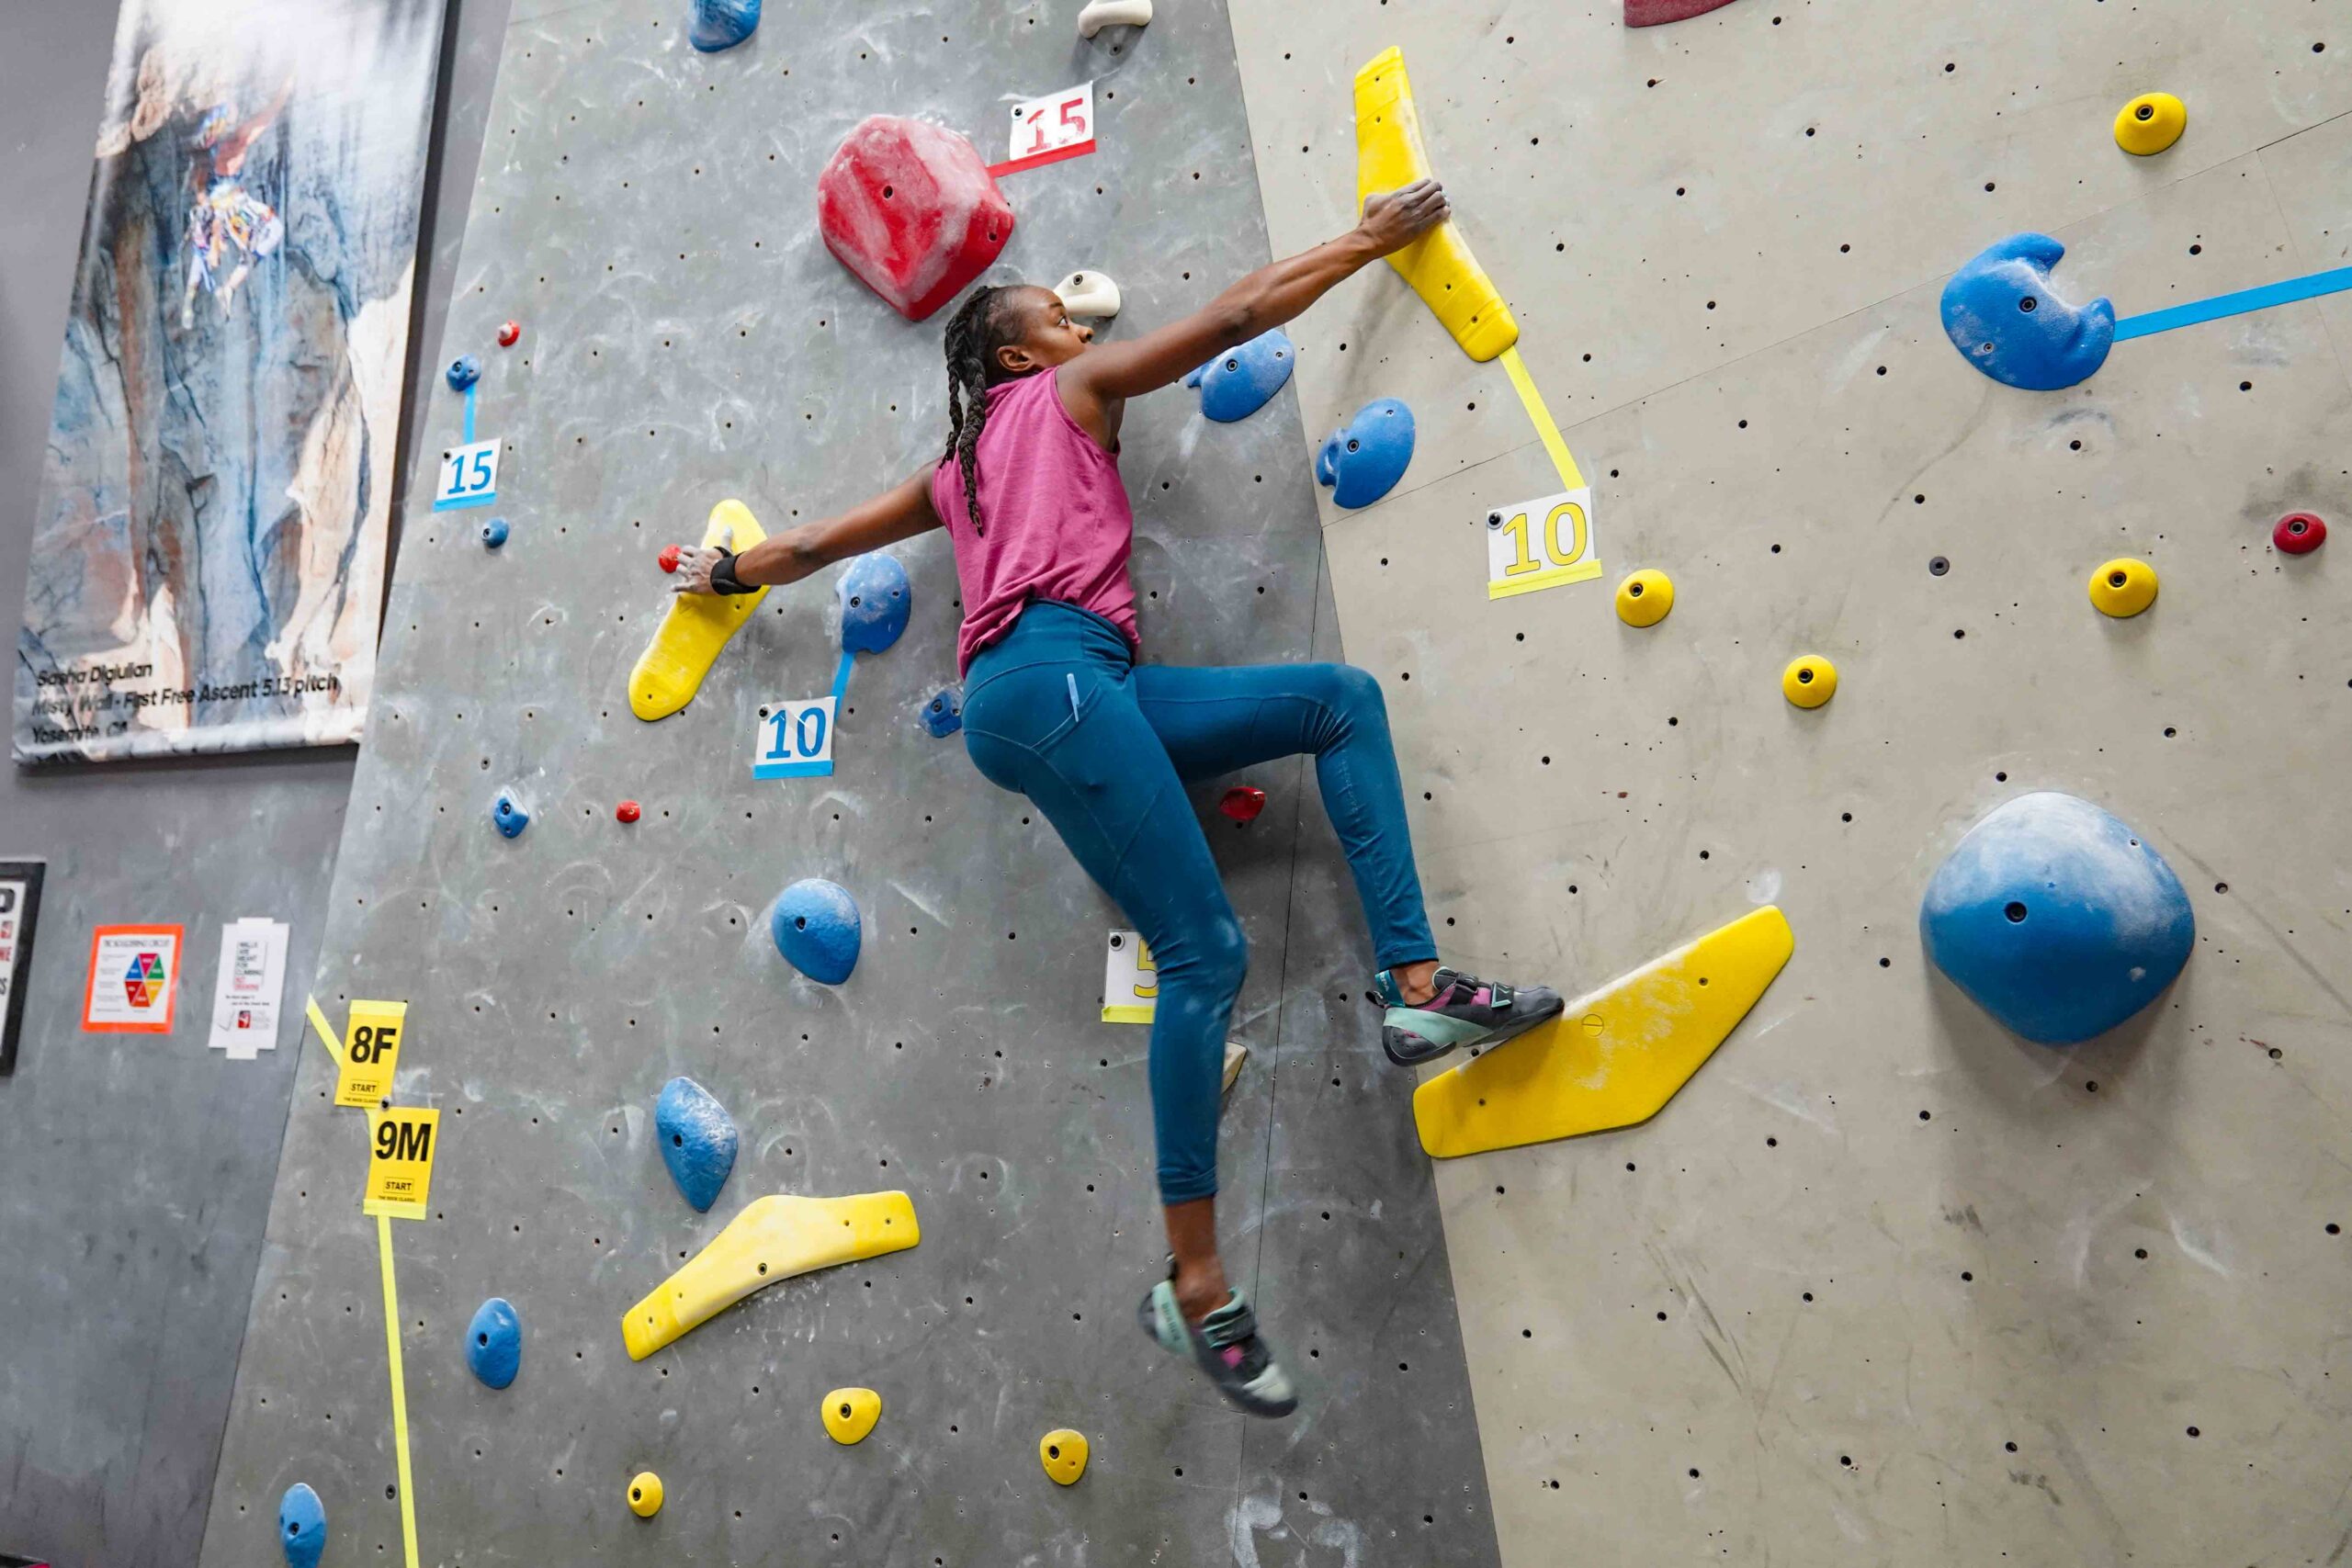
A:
(134, 980)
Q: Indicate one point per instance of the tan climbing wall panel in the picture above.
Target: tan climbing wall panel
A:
(1883, 1285)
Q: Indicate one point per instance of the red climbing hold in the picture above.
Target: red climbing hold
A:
(1242, 802)
(2298, 533)
(669, 558)
(912, 210)
(1650, 13)
(509, 334)
(627, 811)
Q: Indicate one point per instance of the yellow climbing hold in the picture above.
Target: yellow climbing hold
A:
(1644, 598)
(645, 1495)
(1439, 264)
(670, 669)
(2123, 587)
(850, 1413)
(1809, 681)
(1063, 1454)
(2150, 123)
(773, 1238)
(1614, 1057)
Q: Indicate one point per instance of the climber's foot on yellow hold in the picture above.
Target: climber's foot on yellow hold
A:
(670, 669)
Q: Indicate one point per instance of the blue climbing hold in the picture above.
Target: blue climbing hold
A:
(494, 1342)
(944, 715)
(697, 1139)
(2006, 320)
(722, 24)
(817, 928)
(1362, 459)
(508, 816)
(463, 372)
(2057, 918)
(875, 600)
(301, 1526)
(1237, 383)
(493, 533)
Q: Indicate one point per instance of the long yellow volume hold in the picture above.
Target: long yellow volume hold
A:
(773, 1238)
(690, 636)
(1439, 264)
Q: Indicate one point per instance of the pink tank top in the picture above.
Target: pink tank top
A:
(1056, 521)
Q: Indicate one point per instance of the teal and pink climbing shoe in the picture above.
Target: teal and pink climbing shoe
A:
(1227, 1346)
(1465, 1010)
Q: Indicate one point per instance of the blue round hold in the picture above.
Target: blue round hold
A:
(715, 25)
(2057, 918)
(817, 928)
(1362, 459)
(508, 817)
(494, 1342)
(463, 372)
(493, 533)
(2001, 313)
(697, 1139)
(301, 1526)
(944, 715)
(876, 598)
(1239, 382)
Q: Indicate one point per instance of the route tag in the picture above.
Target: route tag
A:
(468, 477)
(371, 1050)
(1538, 544)
(1130, 980)
(1047, 130)
(793, 738)
(400, 1162)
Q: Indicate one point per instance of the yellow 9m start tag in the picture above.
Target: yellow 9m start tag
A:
(400, 1162)
(371, 1050)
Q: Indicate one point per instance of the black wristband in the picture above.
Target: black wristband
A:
(723, 579)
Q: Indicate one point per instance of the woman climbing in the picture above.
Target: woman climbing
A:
(1056, 709)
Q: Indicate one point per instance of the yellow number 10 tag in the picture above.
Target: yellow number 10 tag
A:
(1540, 544)
(400, 1162)
(371, 1050)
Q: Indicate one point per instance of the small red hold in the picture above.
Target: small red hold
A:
(669, 558)
(912, 210)
(2298, 533)
(1242, 802)
(509, 334)
(627, 811)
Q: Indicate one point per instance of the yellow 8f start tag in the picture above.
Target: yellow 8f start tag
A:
(371, 1050)
(400, 1162)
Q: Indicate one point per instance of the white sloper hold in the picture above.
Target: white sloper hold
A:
(1090, 294)
(1113, 14)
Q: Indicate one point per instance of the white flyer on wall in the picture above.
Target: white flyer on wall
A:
(247, 998)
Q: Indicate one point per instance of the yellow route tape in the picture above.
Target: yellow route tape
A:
(400, 1387)
(1571, 477)
(325, 1029)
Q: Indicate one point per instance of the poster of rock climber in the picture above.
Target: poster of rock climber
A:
(209, 537)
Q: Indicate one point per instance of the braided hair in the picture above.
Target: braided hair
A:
(981, 325)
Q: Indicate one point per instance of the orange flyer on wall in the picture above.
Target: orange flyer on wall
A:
(134, 980)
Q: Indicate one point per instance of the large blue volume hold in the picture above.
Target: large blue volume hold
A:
(875, 601)
(1237, 383)
(301, 1526)
(2001, 313)
(714, 25)
(2056, 919)
(1362, 459)
(817, 928)
(494, 1342)
(697, 1139)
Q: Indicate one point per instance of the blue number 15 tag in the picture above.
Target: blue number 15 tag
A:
(468, 477)
(793, 740)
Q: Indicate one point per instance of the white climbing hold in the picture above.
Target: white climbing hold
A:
(1091, 294)
(1113, 14)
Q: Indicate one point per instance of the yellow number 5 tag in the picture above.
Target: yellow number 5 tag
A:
(371, 1050)
(1540, 544)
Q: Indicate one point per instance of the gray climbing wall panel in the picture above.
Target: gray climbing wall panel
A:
(644, 212)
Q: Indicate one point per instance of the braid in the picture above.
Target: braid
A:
(974, 334)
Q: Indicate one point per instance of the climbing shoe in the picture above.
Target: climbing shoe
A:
(1227, 1346)
(1465, 1010)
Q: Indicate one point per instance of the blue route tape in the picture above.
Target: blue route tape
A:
(841, 678)
(2318, 283)
(469, 416)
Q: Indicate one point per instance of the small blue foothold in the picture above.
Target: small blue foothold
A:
(301, 1526)
(817, 928)
(722, 24)
(494, 1342)
(944, 715)
(697, 1140)
(875, 601)
(2001, 313)
(1237, 383)
(509, 817)
(463, 372)
(2057, 918)
(1364, 459)
(493, 533)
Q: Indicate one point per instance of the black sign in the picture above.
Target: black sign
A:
(19, 904)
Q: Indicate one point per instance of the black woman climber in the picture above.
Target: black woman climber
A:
(1055, 707)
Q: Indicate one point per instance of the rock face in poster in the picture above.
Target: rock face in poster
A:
(208, 554)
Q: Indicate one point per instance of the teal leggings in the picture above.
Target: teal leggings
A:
(1058, 711)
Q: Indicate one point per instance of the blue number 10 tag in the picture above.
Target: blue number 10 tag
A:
(468, 477)
(793, 740)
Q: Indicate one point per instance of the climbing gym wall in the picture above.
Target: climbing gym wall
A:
(1885, 1282)
(644, 218)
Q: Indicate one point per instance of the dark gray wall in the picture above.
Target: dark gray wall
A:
(135, 1171)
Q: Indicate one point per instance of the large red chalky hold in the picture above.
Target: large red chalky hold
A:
(912, 210)
(2298, 533)
(1650, 13)
(1242, 802)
